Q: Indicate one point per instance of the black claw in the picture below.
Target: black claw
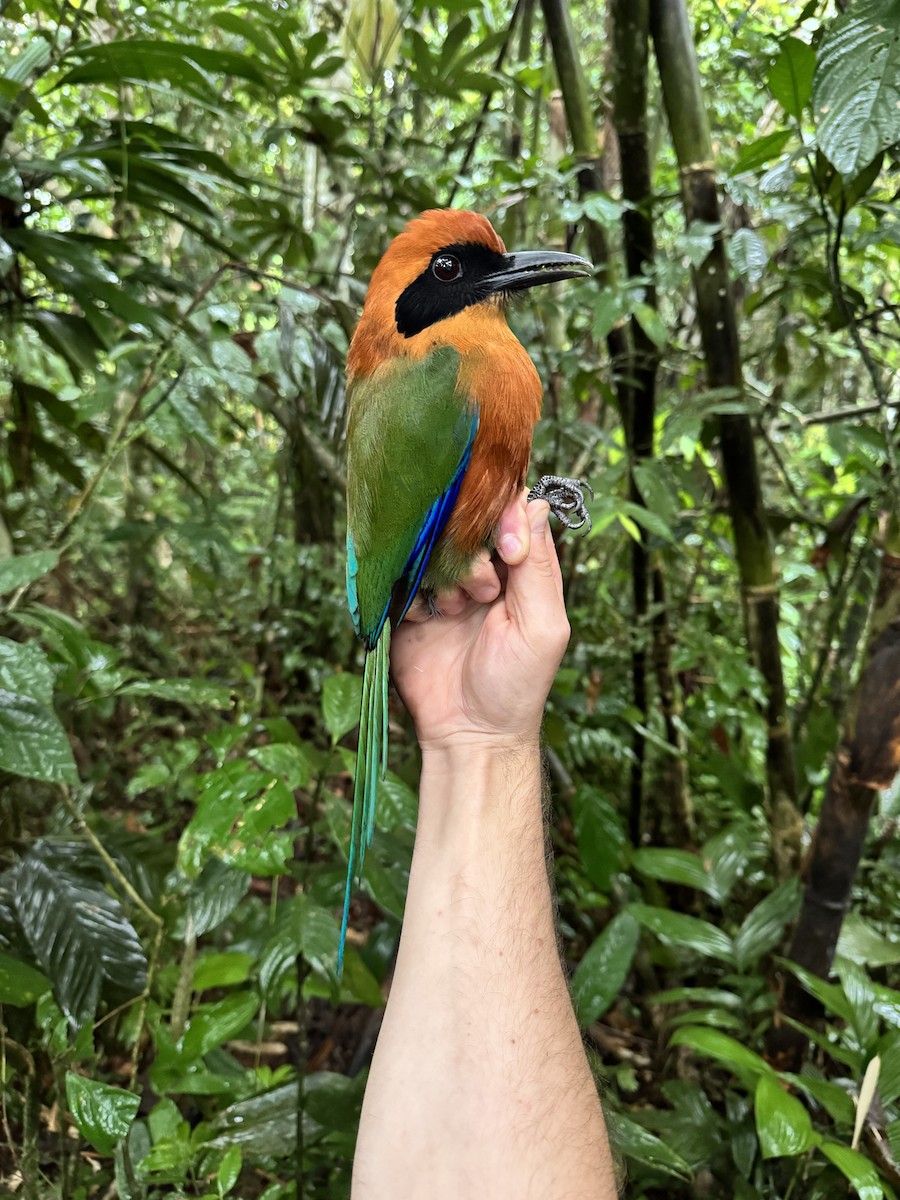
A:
(566, 499)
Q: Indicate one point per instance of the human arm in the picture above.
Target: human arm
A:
(480, 1086)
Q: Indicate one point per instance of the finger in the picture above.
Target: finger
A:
(553, 554)
(452, 602)
(482, 583)
(418, 611)
(514, 533)
(534, 589)
(447, 604)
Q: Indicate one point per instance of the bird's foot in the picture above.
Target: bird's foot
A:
(566, 499)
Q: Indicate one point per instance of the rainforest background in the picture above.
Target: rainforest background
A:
(192, 198)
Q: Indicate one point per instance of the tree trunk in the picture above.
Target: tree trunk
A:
(866, 763)
(683, 100)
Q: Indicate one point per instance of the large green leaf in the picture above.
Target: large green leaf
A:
(20, 985)
(675, 866)
(212, 1024)
(103, 1114)
(782, 1122)
(137, 60)
(791, 75)
(857, 1168)
(340, 703)
(32, 740)
(856, 92)
(684, 931)
(863, 944)
(763, 927)
(745, 1063)
(639, 1143)
(266, 1126)
(302, 929)
(237, 818)
(215, 894)
(601, 835)
(830, 995)
(288, 761)
(77, 932)
(69, 335)
(18, 570)
(600, 975)
(860, 993)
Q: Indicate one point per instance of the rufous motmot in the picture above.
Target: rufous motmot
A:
(443, 400)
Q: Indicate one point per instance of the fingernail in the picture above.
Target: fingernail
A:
(540, 515)
(510, 546)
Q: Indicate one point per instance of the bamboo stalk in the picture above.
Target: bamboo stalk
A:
(582, 131)
(683, 101)
(630, 27)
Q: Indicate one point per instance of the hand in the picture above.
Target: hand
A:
(479, 675)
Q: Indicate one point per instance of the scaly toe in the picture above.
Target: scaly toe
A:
(566, 499)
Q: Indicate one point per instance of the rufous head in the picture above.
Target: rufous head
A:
(446, 272)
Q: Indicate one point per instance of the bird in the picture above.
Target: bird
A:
(442, 400)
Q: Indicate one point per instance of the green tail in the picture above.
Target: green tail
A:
(371, 764)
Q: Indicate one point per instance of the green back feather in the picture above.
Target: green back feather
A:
(408, 434)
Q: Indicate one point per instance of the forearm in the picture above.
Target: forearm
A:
(480, 1085)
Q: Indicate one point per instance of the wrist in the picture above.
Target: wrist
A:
(476, 751)
(468, 787)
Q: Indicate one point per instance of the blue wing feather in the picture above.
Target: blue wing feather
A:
(434, 524)
(352, 589)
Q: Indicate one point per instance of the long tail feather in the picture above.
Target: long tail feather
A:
(371, 764)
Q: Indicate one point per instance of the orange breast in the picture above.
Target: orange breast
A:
(507, 388)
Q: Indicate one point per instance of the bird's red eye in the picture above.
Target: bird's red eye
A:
(446, 268)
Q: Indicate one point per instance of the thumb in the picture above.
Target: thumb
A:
(514, 533)
(534, 593)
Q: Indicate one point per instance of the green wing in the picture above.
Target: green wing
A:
(409, 439)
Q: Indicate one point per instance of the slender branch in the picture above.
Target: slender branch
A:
(850, 413)
(847, 575)
(840, 295)
(785, 475)
(122, 881)
(833, 239)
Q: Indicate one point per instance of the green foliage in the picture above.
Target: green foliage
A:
(857, 87)
(102, 1114)
(191, 202)
(32, 740)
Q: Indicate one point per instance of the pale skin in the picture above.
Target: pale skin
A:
(479, 1085)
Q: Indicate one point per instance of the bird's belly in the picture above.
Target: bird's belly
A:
(455, 552)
